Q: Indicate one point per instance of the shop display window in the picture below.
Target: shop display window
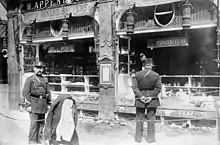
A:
(29, 57)
(71, 66)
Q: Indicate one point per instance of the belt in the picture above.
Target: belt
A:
(38, 96)
(146, 89)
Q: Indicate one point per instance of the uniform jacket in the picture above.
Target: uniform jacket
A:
(34, 88)
(53, 118)
(148, 85)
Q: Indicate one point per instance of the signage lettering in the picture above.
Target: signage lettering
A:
(60, 49)
(190, 114)
(41, 4)
(172, 42)
(59, 13)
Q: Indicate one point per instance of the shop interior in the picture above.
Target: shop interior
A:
(76, 57)
(195, 59)
(75, 60)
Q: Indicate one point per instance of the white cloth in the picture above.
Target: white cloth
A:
(125, 92)
(66, 125)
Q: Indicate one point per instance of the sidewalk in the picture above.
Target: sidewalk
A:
(14, 132)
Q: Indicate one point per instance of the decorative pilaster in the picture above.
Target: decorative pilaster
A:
(13, 62)
(106, 61)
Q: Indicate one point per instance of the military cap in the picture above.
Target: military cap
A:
(39, 64)
(148, 62)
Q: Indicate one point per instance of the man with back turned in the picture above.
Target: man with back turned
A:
(146, 86)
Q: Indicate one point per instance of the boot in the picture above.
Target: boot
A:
(151, 132)
(139, 131)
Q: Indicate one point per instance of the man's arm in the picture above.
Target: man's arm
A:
(135, 88)
(26, 91)
(157, 89)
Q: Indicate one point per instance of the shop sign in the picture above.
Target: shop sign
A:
(186, 113)
(41, 4)
(141, 3)
(59, 13)
(170, 42)
(61, 49)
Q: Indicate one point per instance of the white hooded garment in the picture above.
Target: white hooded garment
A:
(66, 125)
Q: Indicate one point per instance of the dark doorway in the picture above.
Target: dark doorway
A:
(3, 64)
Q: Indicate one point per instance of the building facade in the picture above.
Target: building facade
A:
(91, 48)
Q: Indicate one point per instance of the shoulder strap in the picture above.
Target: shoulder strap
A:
(146, 73)
(40, 82)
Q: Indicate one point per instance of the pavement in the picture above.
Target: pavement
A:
(91, 132)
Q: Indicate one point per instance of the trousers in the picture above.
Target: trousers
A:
(140, 117)
(36, 127)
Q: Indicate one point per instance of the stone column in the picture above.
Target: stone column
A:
(13, 67)
(107, 92)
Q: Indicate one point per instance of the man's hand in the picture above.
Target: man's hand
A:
(146, 99)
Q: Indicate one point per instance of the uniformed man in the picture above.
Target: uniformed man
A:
(142, 58)
(37, 97)
(146, 86)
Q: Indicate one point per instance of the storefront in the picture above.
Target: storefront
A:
(180, 37)
(93, 53)
(64, 38)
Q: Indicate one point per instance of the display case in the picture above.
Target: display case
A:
(29, 56)
(71, 68)
(126, 61)
(83, 85)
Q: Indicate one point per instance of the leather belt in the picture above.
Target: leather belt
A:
(38, 96)
(146, 89)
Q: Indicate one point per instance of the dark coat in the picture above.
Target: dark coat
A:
(34, 88)
(53, 119)
(148, 85)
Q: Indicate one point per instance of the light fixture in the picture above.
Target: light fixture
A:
(130, 21)
(29, 34)
(186, 14)
(65, 29)
(29, 31)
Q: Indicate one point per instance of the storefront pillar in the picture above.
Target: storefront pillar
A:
(13, 69)
(106, 62)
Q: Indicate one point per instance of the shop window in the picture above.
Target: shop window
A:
(29, 58)
(71, 66)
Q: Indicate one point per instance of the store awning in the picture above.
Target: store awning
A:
(83, 9)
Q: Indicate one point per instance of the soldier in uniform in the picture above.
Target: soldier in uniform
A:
(146, 86)
(142, 58)
(37, 97)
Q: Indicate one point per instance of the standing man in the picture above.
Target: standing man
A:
(146, 87)
(37, 97)
(142, 58)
